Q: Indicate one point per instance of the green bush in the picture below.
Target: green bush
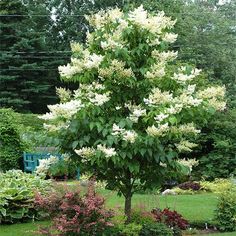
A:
(226, 210)
(218, 152)
(11, 146)
(17, 195)
(131, 229)
(156, 229)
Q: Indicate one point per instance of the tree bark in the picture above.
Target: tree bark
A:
(128, 198)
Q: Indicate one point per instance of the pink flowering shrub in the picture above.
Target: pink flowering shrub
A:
(74, 214)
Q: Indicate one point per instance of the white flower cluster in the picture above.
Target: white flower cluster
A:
(117, 68)
(189, 163)
(101, 18)
(185, 146)
(63, 94)
(127, 135)
(45, 164)
(169, 37)
(85, 152)
(159, 131)
(164, 56)
(92, 93)
(136, 112)
(158, 97)
(154, 24)
(187, 101)
(214, 96)
(157, 71)
(182, 76)
(188, 129)
(63, 110)
(108, 152)
(88, 61)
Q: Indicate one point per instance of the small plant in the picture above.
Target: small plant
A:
(75, 214)
(141, 217)
(170, 218)
(131, 229)
(190, 186)
(155, 229)
(226, 210)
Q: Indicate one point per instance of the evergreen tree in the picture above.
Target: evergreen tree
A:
(28, 77)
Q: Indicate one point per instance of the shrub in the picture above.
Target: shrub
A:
(170, 218)
(217, 186)
(141, 217)
(226, 210)
(190, 186)
(17, 195)
(184, 192)
(155, 229)
(76, 214)
(11, 146)
(131, 229)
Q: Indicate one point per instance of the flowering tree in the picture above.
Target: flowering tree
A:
(135, 110)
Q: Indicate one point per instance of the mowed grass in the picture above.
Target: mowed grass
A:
(193, 207)
(199, 207)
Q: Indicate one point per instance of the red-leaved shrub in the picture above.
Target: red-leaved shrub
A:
(74, 214)
(190, 185)
(170, 218)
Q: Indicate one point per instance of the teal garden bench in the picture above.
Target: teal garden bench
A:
(31, 161)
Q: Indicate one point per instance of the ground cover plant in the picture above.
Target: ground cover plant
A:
(135, 112)
(17, 195)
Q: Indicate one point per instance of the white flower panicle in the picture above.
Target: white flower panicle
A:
(45, 164)
(158, 97)
(130, 136)
(136, 113)
(99, 99)
(189, 128)
(154, 24)
(169, 37)
(108, 152)
(182, 77)
(185, 146)
(214, 96)
(189, 163)
(116, 67)
(212, 92)
(102, 18)
(164, 56)
(159, 131)
(85, 152)
(159, 118)
(157, 71)
(126, 135)
(117, 130)
(93, 61)
(63, 94)
(65, 110)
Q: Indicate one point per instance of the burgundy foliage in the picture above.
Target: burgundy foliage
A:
(170, 218)
(74, 214)
(190, 185)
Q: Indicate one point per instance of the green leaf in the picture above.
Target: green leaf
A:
(74, 144)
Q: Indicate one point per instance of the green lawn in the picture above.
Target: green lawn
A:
(192, 207)
(199, 207)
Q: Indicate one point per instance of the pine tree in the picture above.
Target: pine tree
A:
(28, 72)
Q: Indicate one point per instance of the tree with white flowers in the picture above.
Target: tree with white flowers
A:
(135, 110)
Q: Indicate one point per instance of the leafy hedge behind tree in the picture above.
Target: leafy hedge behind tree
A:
(11, 146)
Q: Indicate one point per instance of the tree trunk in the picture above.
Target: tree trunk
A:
(128, 206)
